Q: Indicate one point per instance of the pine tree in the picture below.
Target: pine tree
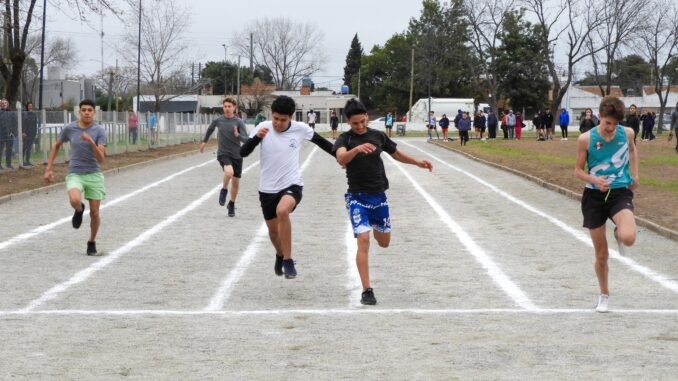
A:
(353, 59)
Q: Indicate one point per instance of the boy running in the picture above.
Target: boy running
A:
(231, 132)
(88, 149)
(609, 153)
(359, 150)
(280, 186)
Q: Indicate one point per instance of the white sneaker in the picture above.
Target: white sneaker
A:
(602, 303)
(565, 139)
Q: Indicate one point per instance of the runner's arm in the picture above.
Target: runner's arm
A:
(250, 145)
(323, 143)
(407, 159)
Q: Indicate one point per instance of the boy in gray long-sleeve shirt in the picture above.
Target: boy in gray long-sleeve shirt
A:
(231, 132)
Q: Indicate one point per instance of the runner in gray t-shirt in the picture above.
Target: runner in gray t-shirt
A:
(231, 132)
(84, 179)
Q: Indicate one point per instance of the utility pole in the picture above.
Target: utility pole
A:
(42, 53)
(409, 116)
(225, 69)
(358, 82)
(238, 95)
(139, 61)
(252, 53)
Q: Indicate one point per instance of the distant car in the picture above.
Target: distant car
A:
(377, 123)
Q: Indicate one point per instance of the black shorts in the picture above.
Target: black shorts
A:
(225, 160)
(334, 128)
(312, 125)
(389, 127)
(269, 201)
(596, 210)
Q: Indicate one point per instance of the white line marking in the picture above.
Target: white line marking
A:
(498, 276)
(635, 266)
(343, 311)
(41, 229)
(228, 284)
(84, 274)
(353, 284)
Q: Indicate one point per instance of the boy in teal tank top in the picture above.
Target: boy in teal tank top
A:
(607, 160)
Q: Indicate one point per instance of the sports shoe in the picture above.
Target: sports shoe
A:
(92, 248)
(222, 196)
(77, 217)
(231, 209)
(620, 246)
(368, 297)
(290, 271)
(278, 267)
(602, 303)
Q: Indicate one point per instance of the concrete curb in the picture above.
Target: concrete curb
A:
(47, 189)
(661, 230)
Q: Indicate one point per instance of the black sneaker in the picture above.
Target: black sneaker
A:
(92, 248)
(231, 209)
(77, 217)
(368, 297)
(278, 267)
(222, 196)
(290, 271)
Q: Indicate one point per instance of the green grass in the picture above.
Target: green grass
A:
(666, 185)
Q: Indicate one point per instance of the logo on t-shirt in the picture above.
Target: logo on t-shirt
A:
(599, 145)
(293, 143)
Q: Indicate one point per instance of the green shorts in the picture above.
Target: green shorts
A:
(90, 184)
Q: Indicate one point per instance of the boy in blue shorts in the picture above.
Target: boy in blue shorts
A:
(609, 153)
(359, 150)
(88, 149)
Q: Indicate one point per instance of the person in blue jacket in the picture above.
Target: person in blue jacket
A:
(564, 121)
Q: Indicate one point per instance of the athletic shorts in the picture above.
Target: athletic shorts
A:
(91, 185)
(225, 160)
(334, 128)
(597, 210)
(389, 127)
(368, 211)
(312, 125)
(269, 201)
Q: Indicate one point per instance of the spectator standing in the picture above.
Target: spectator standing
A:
(7, 133)
(431, 125)
(492, 125)
(153, 128)
(519, 125)
(476, 125)
(311, 119)
(633, 121)
(674, 126)
(550, 129)
(388, 123)
(30, 131)
(444, 125)
(563, 121)
(587, 122)
(464, 127)
(537, 127)
(483, 123)
(511, 124)
(132, 124)
(504, 126)
(334, 124)
(259, 118)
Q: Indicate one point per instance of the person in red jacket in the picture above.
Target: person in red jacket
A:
(519, 125)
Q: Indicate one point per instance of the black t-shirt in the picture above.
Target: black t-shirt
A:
(365, 173)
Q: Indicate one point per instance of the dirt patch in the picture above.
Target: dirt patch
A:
(24, 179)
(553, 162)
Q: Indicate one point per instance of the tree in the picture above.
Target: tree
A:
(163, 27)
(581, 18)
(442, 59)
(353, 60)
(630, 73)
(486, 19)
(59, 51)
(287, 49)
(18, 16)
(660, 46)
(621, 21)
(224, 76)
(520, 65)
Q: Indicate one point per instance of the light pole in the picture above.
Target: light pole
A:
(139, 61)
(42, 52)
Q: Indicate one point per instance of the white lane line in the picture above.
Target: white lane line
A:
(498, 276)
(41, 229)
(345, 311)
(228, 284)
(353, 284)
(654, 276)
(84, 274)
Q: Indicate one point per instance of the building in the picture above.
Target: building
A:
(58, 91)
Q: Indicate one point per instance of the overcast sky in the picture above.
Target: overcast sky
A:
(212, 23)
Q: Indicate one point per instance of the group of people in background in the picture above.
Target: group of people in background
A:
(9, 134)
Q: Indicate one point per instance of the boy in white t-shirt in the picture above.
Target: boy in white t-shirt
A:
(280, 186)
